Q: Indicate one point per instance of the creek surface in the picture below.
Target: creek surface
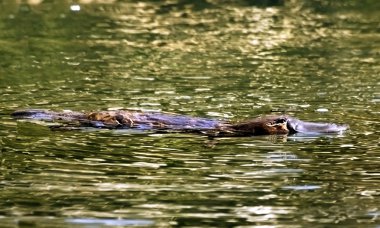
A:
(315, 60)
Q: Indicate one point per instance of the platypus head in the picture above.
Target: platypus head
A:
(282, 125)
(268, 125)
(276, 125)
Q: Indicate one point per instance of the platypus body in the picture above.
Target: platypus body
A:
(164, 122)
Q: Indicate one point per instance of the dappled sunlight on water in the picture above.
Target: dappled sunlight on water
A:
(230, 60)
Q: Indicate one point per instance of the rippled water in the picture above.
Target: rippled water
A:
(316, 60)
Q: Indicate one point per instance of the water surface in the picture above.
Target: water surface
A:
(316, 60)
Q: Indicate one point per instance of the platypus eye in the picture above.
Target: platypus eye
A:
(277, 122)
(281, 120)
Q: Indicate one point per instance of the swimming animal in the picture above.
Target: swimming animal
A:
(167, 122)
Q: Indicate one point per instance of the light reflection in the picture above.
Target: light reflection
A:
(273, 172)
(263, 213)
(302, 187)
(110, 222)
(75, 7)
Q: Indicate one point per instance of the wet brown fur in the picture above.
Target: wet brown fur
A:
(262, 126)
(259, 126)
(112, 118)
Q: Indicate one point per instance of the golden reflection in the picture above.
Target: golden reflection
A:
(253, 31)
(255, 35)
(264, 213)
(14, 6)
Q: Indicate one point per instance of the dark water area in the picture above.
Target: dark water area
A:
(235, 60)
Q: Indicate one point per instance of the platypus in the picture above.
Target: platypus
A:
(167, 122)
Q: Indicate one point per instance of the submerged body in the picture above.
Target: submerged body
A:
(157, 121)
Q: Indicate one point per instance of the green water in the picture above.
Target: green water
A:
(316, 60)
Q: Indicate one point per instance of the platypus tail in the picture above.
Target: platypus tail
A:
(47, 115)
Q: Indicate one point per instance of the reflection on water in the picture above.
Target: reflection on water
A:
(316, 60)
(111, 222)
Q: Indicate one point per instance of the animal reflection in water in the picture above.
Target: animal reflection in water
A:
(166, 122)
